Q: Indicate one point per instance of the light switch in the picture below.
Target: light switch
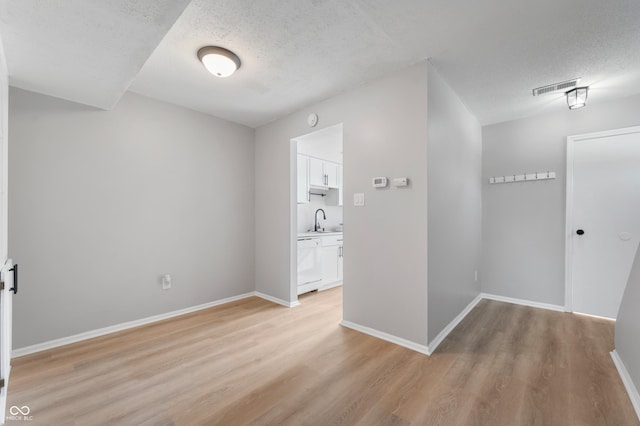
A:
(358, 199)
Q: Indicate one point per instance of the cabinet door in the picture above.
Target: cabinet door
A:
(329, 264)
(316, 173)
(331, 173)
(303, 179)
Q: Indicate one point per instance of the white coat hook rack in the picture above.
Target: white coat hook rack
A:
(526, 177)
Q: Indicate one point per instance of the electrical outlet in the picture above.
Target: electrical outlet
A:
(476, 275)
(166, 282)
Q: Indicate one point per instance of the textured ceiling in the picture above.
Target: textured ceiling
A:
(493, 52)
(297, 52)
(86, 51)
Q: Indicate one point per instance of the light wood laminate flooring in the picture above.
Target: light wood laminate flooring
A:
(254, 362)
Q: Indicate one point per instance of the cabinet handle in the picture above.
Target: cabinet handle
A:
(14, 289)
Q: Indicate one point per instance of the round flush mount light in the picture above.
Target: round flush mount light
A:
(218, 60)
(577, 98)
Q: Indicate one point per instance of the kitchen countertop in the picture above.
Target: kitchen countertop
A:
(318, 234)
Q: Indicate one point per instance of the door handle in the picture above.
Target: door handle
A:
(580, 232)
(14, 289)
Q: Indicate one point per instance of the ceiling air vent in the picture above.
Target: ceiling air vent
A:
(557, 87)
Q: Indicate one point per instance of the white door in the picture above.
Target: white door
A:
(5, 264)
(603, 218)
(8, 275)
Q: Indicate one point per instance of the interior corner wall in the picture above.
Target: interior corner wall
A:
(454, 165)
(628, 326)
(523, 224)
(103, 203)
(385, 242)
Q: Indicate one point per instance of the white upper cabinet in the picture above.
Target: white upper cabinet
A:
(331, 171)
(303, 179)
(317, 177)
(323, 174)
(334, 198)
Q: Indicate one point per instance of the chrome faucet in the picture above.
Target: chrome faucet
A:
(316, 227)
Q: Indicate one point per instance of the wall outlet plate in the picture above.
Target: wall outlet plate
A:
(166, 282)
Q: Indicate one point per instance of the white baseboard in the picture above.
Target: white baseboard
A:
(120, 327)
(428, 350)
(330, 286)
(449, 328)
(523, 302)
(634, 396)
(276, 300)
(386, 336)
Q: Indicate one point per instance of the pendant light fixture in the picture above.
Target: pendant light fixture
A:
(219, 61)
(577, 98)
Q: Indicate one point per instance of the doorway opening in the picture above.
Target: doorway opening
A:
(317, 242)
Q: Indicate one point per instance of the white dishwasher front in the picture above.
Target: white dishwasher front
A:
(309, 264)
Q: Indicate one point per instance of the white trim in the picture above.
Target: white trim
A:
(568, 253)
(568, 230)
(386, 336)
(523, 302)
(3, 396)
(428, 350)
(293, 224)
(276, 300)
(449, 328)
(632, 391)
(122, 326)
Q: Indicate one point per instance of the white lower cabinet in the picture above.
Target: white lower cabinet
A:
(332, 257)
(330, 264)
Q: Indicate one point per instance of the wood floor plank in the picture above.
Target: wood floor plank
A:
(253, 362)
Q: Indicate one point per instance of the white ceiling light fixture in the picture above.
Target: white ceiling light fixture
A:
(219, 61)
(577, 98)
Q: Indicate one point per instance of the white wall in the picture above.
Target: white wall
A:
(523, 224)
(628, 325)
(104, 202)
(385, 271)
(454, 199)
